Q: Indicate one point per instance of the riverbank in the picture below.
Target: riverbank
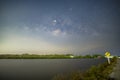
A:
(99, 72)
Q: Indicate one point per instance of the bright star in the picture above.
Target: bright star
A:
(54, 21)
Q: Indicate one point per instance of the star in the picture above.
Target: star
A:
(54, 21)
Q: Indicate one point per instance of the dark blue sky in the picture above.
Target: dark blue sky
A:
(59, 26)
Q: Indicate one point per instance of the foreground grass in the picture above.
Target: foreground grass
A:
(99, 72)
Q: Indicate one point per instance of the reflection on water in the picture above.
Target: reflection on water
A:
(42, 69)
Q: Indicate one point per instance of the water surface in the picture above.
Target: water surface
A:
(42, 69)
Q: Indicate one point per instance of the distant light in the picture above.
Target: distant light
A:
(71, 56)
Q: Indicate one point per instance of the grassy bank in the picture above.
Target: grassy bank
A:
(99, 72)
(51, 56)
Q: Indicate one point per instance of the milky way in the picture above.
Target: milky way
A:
(59, 26)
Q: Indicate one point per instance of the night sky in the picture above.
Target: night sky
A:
(59, 26)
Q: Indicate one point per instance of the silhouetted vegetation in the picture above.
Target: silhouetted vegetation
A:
(51, 56)
(90, 56)
(99, 72)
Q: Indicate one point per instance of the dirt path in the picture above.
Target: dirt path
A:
(116, 71)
